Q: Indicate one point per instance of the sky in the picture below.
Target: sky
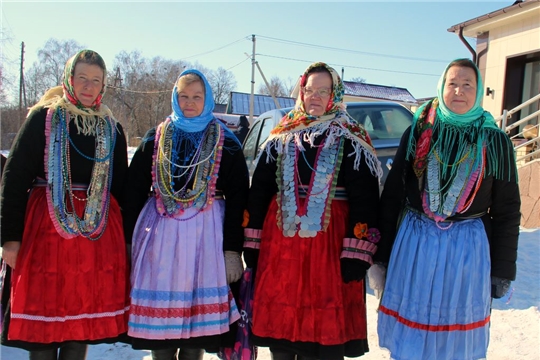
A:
(392, 43)
(514, 328)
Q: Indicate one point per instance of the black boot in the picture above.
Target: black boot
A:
(280, 355)
(73, 350)
(164, 354)
(51, 354)
(190, 354)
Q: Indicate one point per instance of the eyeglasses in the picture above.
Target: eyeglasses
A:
(322, 92)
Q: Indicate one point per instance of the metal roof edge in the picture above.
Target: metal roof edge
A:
(491, 15)
(385, 86)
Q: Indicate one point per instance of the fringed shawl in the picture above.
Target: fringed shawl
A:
(454, 133)
(63, 98)
(335, 123)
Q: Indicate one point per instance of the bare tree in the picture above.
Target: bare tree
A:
(277, 87)
(52, 59)
(358, 79)
(48, 70)
(289, 85)
(222, 82)
(9, 67)
(142, 99)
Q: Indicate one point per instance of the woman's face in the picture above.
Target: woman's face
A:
(317, 93)
(87, 82)
(460, 89)
(191, 99)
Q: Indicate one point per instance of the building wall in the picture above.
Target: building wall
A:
(513, 38)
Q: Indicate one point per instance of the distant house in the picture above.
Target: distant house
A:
(363, 92)
(508, 56)
(220, 108)
(239, 103)
(421, 101)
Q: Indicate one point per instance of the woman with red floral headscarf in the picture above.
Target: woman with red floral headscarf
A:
(312, 227)
(61, 226)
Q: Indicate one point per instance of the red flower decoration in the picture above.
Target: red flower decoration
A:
(424, 142)
(374, 235)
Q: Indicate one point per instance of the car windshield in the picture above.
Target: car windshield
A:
(381, 122)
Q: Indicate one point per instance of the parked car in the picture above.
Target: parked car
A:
(384, 121)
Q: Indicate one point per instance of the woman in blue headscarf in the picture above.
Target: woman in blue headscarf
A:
(450, 214)
(187, 234)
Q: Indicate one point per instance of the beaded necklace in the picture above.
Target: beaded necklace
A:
(443, 201)
(59, 184)
(200, 170)
(313, 215)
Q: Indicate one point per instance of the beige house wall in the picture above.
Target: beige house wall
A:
(511, 39)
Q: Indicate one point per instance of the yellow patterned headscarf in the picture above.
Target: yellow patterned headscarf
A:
(298, 117)
(63, 97)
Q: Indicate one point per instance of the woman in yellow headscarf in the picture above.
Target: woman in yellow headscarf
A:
(61, 226)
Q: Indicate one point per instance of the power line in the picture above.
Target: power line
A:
(232, 67)
(137, 91)
(350, 66)
(297, 43)
(211, 51)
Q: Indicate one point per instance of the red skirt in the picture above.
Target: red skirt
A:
(68, 289)
(299, 293)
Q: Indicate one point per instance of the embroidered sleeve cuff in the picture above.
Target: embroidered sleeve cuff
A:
(358, 249)
(252, 238)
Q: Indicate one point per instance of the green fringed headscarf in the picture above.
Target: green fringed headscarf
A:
(449, 134)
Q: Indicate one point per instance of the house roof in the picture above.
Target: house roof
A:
(239, 103)
(480, 24)
(381, 92)
(220, 108)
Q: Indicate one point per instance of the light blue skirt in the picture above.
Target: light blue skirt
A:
(436, 302)
(179, 286)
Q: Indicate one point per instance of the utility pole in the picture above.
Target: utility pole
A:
(118, 86)
(252, 96)
(22, 89)
(118, 78)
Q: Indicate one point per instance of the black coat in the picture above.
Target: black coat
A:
(361, 186)
(498, 199)
(26, 164)
(233, 180)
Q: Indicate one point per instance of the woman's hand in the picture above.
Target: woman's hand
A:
(10, 250)
(233, 266)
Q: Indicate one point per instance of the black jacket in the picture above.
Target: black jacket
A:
(499, 199)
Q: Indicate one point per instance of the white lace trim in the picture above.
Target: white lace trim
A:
(335, 130)
(69, 317)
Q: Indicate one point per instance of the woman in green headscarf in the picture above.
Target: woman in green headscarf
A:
(454, 196)
(61, 226)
